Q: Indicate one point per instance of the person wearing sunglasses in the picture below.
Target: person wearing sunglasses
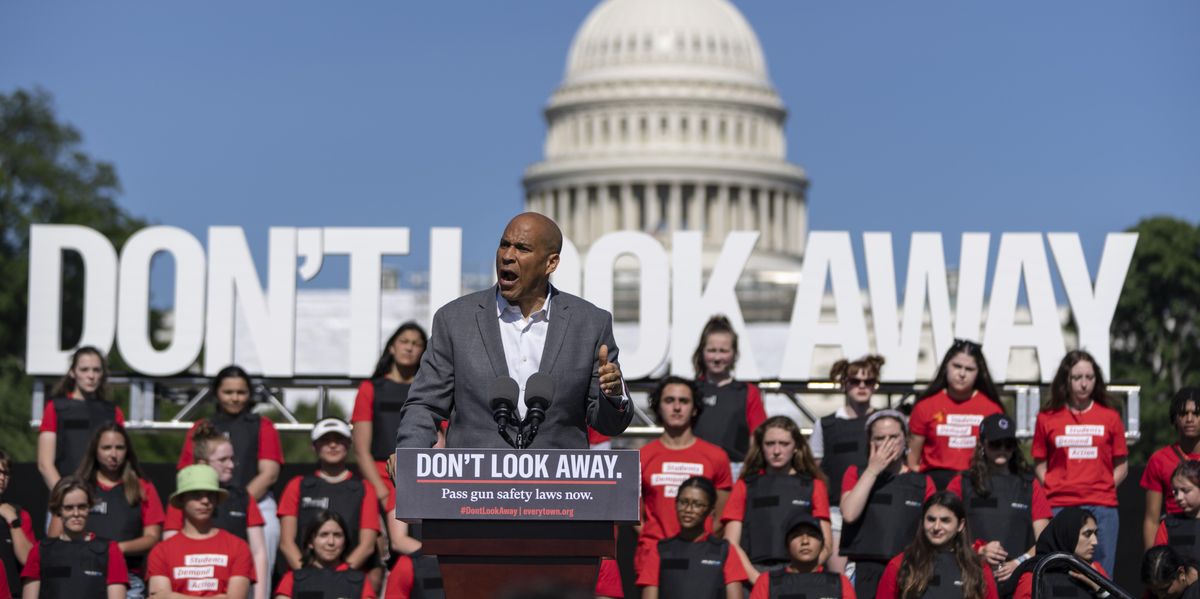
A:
(1006, 506)
(944, 423)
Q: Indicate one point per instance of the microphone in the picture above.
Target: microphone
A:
(504, 394)
(539, 391)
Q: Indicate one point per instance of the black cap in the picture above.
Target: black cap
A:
(799, 519)
(997, 427)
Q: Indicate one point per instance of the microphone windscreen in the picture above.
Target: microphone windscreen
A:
(539, 390)
(505, 392)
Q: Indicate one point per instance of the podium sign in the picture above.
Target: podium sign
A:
(577, 485)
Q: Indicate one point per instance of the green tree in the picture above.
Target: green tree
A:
(1156, 328)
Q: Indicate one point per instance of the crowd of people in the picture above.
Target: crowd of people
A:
(939, 501)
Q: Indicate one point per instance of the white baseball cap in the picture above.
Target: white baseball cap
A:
(330, 425)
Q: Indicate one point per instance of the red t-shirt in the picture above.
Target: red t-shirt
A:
(851, 479)
(289, 502)
(117, 572)
(151, 506)
(201, 567)
(1157, 476)
(1079, 448)
(269, 447)
(1025, 583)
(762, 587)
(26, 527)
(174, 519)
(950, 428)
(889, 586)
(608, 581)
(50, 418)
(734, 572)
(664, 469)
(735, 508)
(1039, 509)
(286, 583)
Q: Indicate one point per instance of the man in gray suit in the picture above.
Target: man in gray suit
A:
(521, 326)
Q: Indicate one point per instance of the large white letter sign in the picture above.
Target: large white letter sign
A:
(692, 304)
(968, 297)
(568, 276)
(653, 295)
(133, 330)
(46, 246)
(445, 268)
(828, 254)
(366, 246)
(926, 271)
(1093, 308)
(270, 317)
(1022, 253)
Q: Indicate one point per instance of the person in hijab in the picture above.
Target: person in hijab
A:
(1072, 531)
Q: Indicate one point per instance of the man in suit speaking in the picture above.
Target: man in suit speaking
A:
(521, 326)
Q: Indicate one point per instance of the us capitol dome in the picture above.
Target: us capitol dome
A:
(666, 120)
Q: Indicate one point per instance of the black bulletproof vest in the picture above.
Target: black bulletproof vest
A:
(1060, 585)
(1005, 514)
(692, 570)
(845, 444)
(427, 578)
(385, 418)
(8, 555)
(231, 515)
(74, 569)
(319, 583)
(77, 422)
(1192, 592)
(1183, 534)
(344, 499)
(242, 431)
(770, 500)
(723, 421)
(889, 521)
(811, 585)
(113, 518)
(946, 582)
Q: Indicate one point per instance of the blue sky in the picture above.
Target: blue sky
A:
(934, 116)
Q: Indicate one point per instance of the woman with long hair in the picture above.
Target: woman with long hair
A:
(837, 440)
(1006, 506)
(1079, 448)
(939, 562)
(1169, 575)
(257, 452)
(1156, 479)
(127, 507)
(732, 409)
(778, 480)
(77, 406)
(691, 564)
(1181, 530)
(803, 576)
(945, 420)
(238, 514)
(1072, 530)
(325, 573)
(74, 551)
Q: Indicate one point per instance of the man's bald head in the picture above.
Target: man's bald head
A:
(543, 227)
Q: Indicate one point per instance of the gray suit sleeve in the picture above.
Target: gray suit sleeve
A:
(432, 393)
(604, 413)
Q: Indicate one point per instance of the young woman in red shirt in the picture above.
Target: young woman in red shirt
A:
(325, 574)
(76, 563)
(1182, 530)
(779, 479)
(803, 576)
(77, 406)
(1169, 575)
(1079, 448)
(939, 562)
(944, 423)
(16, 533)
(732, 409)
(692, 564)
(1156, 479)
(1073, 530)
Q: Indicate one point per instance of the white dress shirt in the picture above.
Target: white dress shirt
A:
(524, 339)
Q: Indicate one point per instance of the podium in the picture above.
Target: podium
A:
(502, 519)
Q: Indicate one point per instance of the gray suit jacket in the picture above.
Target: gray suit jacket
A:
(466, 355)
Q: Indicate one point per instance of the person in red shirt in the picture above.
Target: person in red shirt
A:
(1169, 575)
(732, 409)
(332, 487)
(16, 533)
(91, 569)
(202, 560)
(672, 458)
(941, 556)
(779, 468)
(1156, 479)
(128, 509)
(608, 581)
(257, 453)
(325, 572)
(944, 424)
(1079, 448)
(1073, 530)
(77, 406)
(692, 564)
(1006, 506)
(805, 541)
(408, 566)
(1180, 530)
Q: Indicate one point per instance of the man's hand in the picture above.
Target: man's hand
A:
(610, 376)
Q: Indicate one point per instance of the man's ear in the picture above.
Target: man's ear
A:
(551, 264)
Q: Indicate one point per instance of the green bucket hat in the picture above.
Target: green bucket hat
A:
(197, 477)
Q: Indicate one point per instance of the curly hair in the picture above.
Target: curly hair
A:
(871, 364)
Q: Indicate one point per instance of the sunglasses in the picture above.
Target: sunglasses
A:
(857, 382)
(1002, 444)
